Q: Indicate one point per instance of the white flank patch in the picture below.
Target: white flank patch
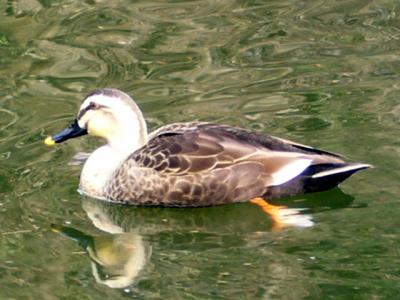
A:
(290, 171)
(341, 170)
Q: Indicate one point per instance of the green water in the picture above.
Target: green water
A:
(324, 73)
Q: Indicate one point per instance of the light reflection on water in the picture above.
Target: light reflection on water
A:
(320, 73)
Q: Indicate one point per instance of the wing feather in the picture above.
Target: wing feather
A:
(186, 148)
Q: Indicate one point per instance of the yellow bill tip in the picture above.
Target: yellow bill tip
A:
(49, 141)
(56, 228)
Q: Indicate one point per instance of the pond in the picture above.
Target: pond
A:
(322, 73)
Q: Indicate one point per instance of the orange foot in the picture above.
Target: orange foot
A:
(283, 216)
(273, 211)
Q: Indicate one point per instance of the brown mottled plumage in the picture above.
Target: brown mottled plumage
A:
(201, 164)
(193, 164)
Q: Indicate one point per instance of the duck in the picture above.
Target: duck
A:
(192, 164)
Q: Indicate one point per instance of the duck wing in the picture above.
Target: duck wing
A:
(187, 148)
(267, 141)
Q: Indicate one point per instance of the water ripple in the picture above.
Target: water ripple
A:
(321, 72)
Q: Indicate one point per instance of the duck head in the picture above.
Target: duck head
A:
(116, 259)
(110, 114)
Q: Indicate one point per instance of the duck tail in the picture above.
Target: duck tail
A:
(344, 170)
(331, 177)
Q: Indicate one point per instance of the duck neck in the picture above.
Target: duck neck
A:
(97, 170)
(104, 161)
(122, 141)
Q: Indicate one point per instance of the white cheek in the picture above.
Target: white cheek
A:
(101, 126)
(97, 127)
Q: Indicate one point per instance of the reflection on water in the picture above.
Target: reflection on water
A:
(119, 218)
(101, 215)
(291, 217)
(116, 259)
(119, 257)
(283, 216)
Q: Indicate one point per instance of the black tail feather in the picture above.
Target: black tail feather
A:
(315, 179)
(317, 183)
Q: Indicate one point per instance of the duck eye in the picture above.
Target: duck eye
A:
(94, 105)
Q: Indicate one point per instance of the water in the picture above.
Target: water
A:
(324, 73)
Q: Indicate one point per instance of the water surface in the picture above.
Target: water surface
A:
(324, 73)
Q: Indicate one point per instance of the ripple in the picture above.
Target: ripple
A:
(180, 12)
(5, 155)
(309, 124)
(12, 115)
(6, 122)
(67, 61)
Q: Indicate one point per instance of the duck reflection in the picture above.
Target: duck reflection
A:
(244, 217)
(119, 256)
(116, 259)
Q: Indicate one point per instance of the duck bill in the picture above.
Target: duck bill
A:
(78, 236)
(72, 131)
